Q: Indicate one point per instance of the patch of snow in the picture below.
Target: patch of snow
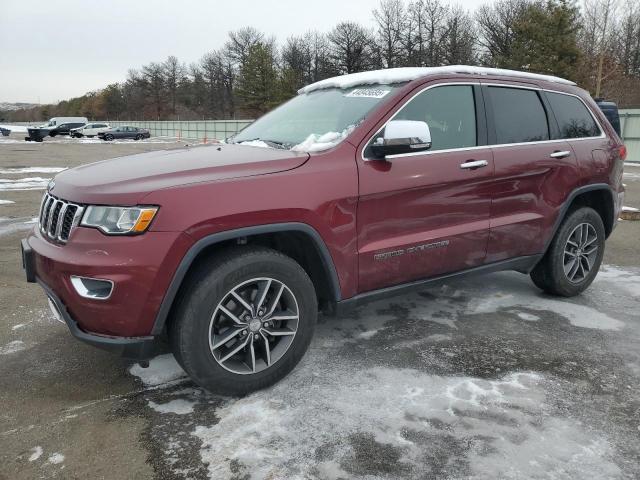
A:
(630, 209)
(278, 433)
(255, 143)
(30, 183)
(11, 225)
(407, 74)
(624, 279)
(179, 406)
(317, 143)
(368, 334)
(577, 315)
(18, 326)
(162, 369)
(6, 202)
(528, 316)
(11, 170)
(56, 458)
(439, 337)
(36, 453)
(12, 347)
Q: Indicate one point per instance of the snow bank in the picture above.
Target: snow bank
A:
(12, 170)
(406, 74)
(30, 183)
(15, 128)
(6, 202)
(318, 143)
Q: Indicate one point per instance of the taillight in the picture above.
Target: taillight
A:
(622, 151)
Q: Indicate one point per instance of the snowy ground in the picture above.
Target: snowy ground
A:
(483, 378)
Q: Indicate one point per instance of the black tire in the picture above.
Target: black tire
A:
(52, 134)
(138, 137)
(549, 275)
(108, 137)
(206, 289)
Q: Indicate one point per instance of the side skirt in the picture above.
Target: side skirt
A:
(520, 264)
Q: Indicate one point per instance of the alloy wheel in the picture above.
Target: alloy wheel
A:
(580, 252)
(253, 325)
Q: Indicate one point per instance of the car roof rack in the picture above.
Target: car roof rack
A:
(406, 74)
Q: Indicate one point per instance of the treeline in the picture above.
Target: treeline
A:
(596, 45)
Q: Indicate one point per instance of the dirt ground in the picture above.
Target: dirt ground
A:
(483, 378)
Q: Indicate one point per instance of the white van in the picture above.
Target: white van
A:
(55, 121)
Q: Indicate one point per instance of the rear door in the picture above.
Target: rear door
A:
(534, 170)
(424, 214)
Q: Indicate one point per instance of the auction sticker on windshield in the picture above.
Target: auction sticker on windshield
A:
(367, 93)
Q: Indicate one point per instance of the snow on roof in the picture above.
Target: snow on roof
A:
(406, 74)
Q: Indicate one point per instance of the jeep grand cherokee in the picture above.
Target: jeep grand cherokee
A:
(362, 185)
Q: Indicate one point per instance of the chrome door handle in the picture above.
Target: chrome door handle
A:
(474, 164)
(562, 154)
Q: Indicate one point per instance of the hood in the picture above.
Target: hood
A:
(126, 180)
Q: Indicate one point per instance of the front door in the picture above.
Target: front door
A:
(425, 214)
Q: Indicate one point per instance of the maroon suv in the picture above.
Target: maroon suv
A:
(361, 186)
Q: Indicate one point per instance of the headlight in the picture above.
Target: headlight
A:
(119, 220)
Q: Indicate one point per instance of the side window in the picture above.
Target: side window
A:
(518, 114)
(450, 113)
(573, 117)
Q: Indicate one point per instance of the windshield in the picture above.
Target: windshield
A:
(315, 121)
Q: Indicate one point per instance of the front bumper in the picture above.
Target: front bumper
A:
(140, 267)
(138, 348)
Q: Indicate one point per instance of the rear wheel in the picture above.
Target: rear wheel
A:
(574, 256)
(108, 137)
(245, 320)
(138, 137)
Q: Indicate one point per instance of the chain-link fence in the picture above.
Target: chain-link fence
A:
(201, 130)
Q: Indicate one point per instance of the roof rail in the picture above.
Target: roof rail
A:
(406, 74)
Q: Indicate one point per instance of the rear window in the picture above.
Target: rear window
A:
(574, 119)
(519, 115)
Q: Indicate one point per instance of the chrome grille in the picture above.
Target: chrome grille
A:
(58, 218)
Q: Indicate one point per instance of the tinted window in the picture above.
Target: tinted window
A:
(450, 113)
(518, 115)
(573, 117)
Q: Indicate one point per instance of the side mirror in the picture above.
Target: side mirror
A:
(402, 136)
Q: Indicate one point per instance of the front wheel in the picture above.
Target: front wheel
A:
(108, 137)
(574, 256)
(245, 320)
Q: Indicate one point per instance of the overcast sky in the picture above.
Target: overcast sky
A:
(51, 50)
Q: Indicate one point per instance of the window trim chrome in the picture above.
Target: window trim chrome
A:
(479, 147)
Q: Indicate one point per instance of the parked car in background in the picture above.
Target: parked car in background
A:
(610, 110)
(5, 132)
(64, 128)
(124, 131)
(89, 130)
(360, 187)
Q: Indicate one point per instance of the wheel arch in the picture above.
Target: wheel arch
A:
(300, 241)
(599, 196)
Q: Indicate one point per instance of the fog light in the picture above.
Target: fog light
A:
(93, 288)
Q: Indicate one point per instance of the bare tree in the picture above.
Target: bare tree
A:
(240, 43)
(351, 46)
(496, 24)
(174, 75)
(390, 20)
(459, 43)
